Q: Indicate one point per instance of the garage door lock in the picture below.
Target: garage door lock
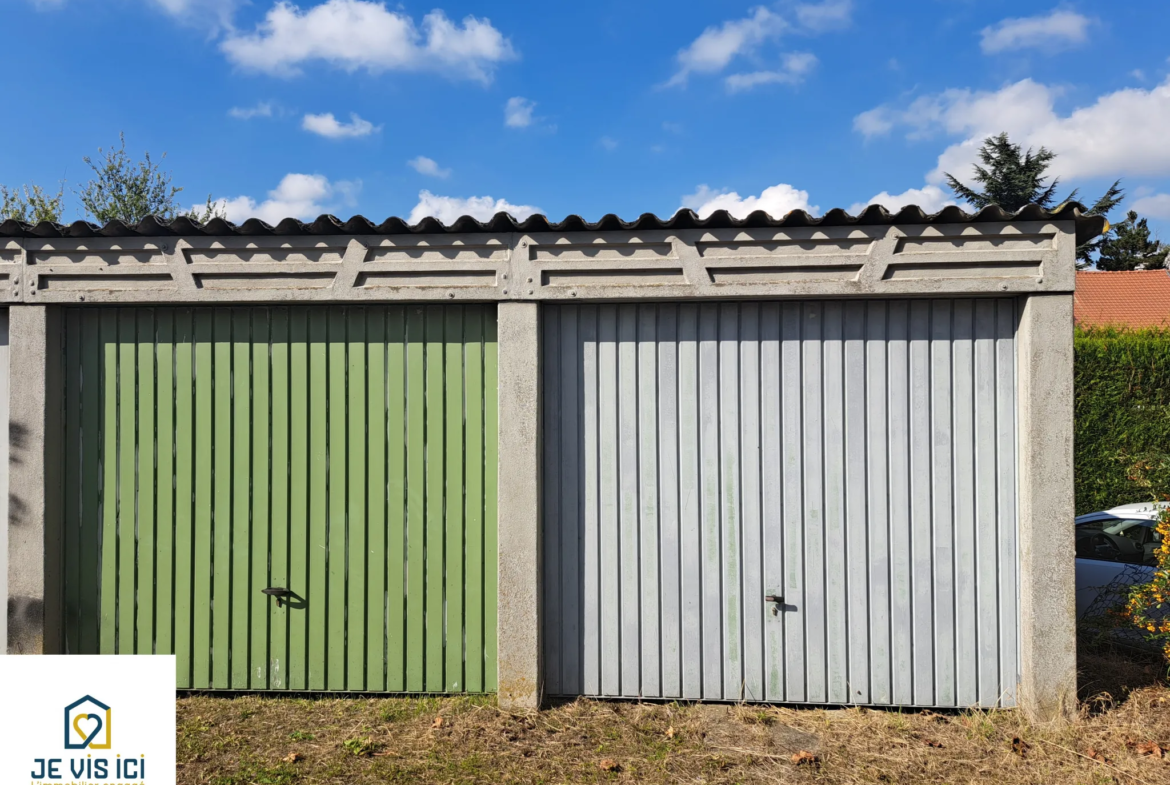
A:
(279, 593)
(777, 603)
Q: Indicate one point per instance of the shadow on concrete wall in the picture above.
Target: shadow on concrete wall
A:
(17, 446)
(25, 615)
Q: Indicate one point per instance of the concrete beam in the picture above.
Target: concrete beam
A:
(521, 679)
(904, 260)
(34, 593)
(1048, 652)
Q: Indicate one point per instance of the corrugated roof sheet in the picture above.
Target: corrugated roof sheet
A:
(874, 215)
(1123, 299)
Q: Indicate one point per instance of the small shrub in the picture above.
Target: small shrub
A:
(360, 748)
(758, 717)
(1149, 603)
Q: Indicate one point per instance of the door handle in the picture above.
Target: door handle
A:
(280, 593)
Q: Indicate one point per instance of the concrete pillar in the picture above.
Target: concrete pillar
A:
(521, 680)
(4, 449)
(1048, 650)
(35, 591)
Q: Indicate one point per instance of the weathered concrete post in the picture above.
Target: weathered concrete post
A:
(1048, 655)
(35, 591)
(521, 680)
(4, 451)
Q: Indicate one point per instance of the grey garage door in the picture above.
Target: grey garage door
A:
(854, 461)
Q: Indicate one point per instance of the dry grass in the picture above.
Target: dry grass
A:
(281, 741)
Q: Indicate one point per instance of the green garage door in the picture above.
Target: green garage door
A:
(345, 454)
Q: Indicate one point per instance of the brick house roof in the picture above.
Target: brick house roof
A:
(1130, 299)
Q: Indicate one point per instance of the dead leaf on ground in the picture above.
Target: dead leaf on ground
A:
(438, 723)
(1150, 748)
(670, 732)
(387, 754)
(293, 757)
(1092, 754)
(932, 743)
(609, 764)
(805, 758)
(1019, 746)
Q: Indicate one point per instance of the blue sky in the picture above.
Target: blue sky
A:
(351, 106)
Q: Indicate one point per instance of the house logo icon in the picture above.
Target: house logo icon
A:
(87, 725)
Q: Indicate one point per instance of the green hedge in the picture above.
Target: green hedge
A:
(1122, 409)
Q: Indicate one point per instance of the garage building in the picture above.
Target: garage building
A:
(806, 460)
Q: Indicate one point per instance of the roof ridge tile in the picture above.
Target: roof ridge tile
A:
(1087, 226)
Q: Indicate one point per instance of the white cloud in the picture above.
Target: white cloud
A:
(777, 201)
(518, 112)
(1154, 206)
(1120, 134)
(829, 15)
(874, 122)
(427, 166)
(672, 128)
(1056, 30)
(448, 209)
(181, 7)
(303, 196)
(608, 142)
(331, 128)
(718, 45)
(1023, 104)
(221, 10)
(793, 68)
(930, 198)
(362, 34)
(262, 109)
(215, 15)
(178, 7)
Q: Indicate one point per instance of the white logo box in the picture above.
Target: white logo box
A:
(88, 719)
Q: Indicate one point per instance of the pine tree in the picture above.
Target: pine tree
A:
(1128, 246)
(1009, 177)
(1102, 206)
(1012, 178)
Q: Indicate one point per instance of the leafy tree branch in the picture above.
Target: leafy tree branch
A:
(31, 204)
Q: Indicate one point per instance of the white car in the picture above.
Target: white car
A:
(1115, 549)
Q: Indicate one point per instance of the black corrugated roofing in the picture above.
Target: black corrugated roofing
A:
(1088, 227)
